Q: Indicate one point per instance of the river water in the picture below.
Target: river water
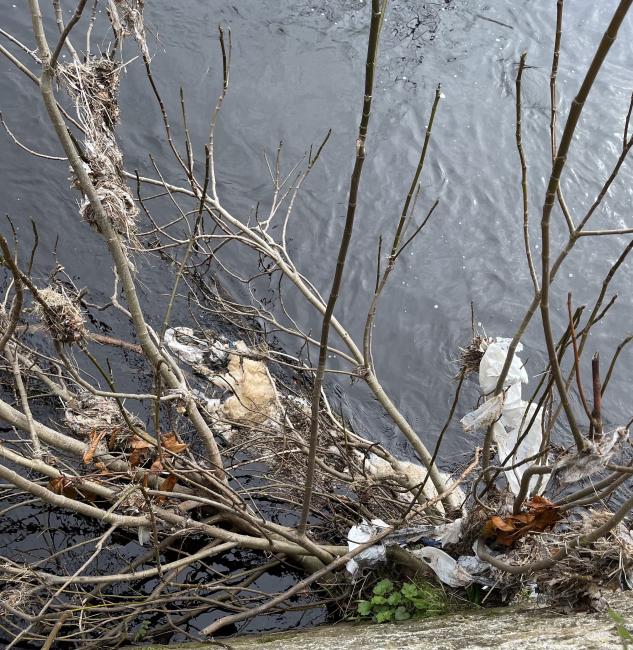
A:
(297, 71)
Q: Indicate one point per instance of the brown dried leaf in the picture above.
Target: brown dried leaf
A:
(157, 466)
(171, 443)
(139, 448)
(168, 484)
(507, 530)
(135, 457)
(102, 468)
(95, 437)
(62, 485)
(502, 525)
(139, 443)
(537, 503)
(544, 519)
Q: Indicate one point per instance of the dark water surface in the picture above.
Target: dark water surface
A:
(297, 71)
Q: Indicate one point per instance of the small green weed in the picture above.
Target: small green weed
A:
(411, 599)
(142, 630)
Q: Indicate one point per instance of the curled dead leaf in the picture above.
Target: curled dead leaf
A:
(171, 443)
(95, 437)
(538, 503)
(102, 468)
(542, 514)
(139, 443)
(500, 524)
(166, 486)
(64, 486)
(169, 483)
(139, 448)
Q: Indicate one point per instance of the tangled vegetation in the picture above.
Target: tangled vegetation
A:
(235, 464)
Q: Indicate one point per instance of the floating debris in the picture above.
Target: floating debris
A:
(470, 357)
(88, 413)
(196, 351)
(508, 414)
(255, 399)
(507, 433)
(492, 363)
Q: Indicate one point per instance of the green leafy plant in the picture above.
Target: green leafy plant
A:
(626, 638)
(411, 599)
(142, 630)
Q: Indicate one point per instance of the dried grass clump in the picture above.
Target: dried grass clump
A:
(94, 85)
(470, 356)
(586, 574)
(61, 316)
(87, 413)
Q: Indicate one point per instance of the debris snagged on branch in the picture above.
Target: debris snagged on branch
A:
(517, 425)
(470, 357)
(94, 86)
(198, 352)
(87, 412)
(491, 364)
(488, 413)
(516, 442)
(447, 569)
(577, 467)
(61, 317)
(254, 399)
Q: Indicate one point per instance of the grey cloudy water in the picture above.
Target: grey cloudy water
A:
(297, 71)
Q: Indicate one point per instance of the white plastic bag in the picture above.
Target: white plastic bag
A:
(507, 431)
(360, 534)
(182, 342)
(506, 413)
(488, 413)
(492, 363)
(447, 569)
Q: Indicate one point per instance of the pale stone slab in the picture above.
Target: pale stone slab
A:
(498, 629)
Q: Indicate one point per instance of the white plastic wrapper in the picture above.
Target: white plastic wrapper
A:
(360, 534)
(488, 413)
(492, 363)
(506, 433)
(190, 352)
(446, 568)
(449, 533)
(187, 347)
(473, 565)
